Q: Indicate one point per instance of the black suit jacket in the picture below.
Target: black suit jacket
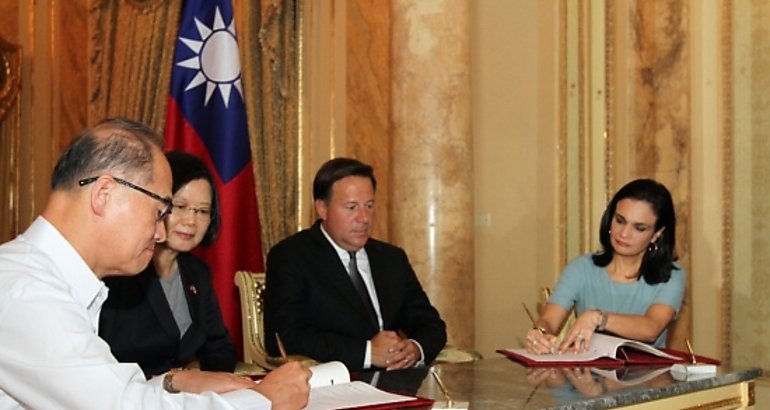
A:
(311, 303)
(137, 323)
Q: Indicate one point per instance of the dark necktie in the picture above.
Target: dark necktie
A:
(358, 283)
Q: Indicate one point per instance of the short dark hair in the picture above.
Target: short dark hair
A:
(186, 168)
(117, 146)
(657, 264)
(335, 169)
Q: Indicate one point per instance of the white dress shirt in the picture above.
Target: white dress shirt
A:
(362, 261)
(51, 356)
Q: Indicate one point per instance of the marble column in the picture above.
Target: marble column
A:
(431, 207)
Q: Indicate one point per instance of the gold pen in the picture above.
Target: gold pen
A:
(442, 387)
(532, 319)
(689, 349)
(281, 348)
(540, 329)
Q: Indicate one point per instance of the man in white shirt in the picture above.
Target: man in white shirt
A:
(110, 194)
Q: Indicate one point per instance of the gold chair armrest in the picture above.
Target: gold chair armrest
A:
(453, 354)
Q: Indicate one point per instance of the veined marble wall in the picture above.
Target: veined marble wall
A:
(651, 135)
(626, 92)
(388, 83)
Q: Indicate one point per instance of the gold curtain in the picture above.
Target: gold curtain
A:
(10, 88)
(131, 50)
(269, 36)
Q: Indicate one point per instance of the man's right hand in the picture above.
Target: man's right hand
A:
(286, 387)
(196, 381)
(541, 343)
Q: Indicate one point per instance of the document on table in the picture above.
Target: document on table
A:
(606, 351)
(331, 388)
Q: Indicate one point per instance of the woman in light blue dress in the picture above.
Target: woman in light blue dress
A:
(632, 288)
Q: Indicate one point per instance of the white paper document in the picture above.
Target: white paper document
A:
(331, 388)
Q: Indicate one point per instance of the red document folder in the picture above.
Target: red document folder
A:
(633, 358)
(417, 402)
(607, 351)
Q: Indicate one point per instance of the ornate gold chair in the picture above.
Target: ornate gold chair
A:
(453, 354)
(251, 286)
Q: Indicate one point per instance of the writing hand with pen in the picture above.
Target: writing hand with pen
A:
(287, 387)
(541, 340)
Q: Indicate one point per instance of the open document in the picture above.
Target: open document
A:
(331, 388)
(606, 351)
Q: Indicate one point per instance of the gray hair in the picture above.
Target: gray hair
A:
(115, 146)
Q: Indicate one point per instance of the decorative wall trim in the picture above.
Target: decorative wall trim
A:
(728, 177)
(562, 139)
(609, 94)
(302, 190)
(583, 60)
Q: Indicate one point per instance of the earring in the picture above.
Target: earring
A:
(652, 247)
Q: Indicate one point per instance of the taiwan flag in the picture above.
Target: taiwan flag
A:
(207, 118)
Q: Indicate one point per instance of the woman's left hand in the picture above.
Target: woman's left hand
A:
(578, 339)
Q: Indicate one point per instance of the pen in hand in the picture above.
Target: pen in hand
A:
(532, 319)
(281, 349)
(540, 329)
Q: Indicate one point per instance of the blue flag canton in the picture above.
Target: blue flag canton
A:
(206, 83)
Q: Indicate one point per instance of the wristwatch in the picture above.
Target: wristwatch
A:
(168, 381)
(603, 322)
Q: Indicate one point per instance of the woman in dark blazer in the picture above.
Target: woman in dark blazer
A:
(168, 315)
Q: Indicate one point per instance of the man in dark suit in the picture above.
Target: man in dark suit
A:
(333, 293)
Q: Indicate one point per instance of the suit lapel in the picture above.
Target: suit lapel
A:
(157, 300)
(191, 287)
(379, 271)
(336, 273)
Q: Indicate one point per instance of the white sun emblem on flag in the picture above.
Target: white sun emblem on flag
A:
(216, 59)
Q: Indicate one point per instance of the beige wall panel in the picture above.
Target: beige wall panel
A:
(707, 236)
(749, 284)
(513, 227)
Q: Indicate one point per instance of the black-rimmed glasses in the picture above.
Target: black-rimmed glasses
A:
(168, 204)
